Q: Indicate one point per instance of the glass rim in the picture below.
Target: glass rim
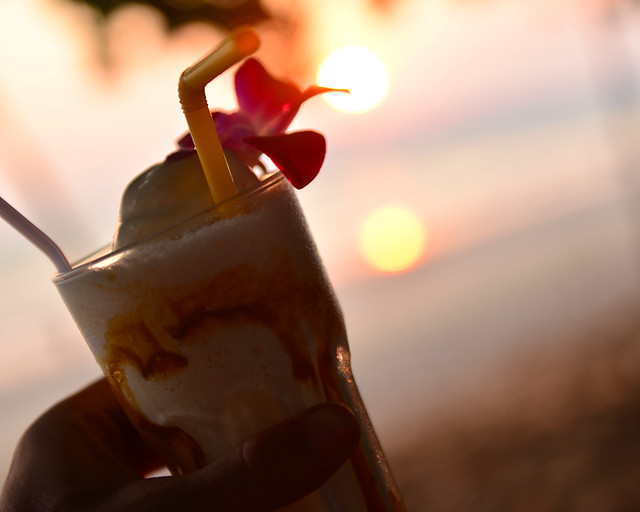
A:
(268, 181)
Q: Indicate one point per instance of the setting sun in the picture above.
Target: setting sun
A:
(392, 239)
(359, 70)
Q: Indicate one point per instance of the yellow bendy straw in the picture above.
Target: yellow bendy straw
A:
(238, 45)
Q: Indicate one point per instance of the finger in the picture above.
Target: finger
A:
(268, 471)
(77, 450)
(99, 412)
(91, 432)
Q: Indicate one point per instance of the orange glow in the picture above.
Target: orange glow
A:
(392, 239)
(359, 70)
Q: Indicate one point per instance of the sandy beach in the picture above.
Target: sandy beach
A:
(556, 431)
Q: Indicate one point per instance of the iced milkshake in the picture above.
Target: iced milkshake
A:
(214, 320)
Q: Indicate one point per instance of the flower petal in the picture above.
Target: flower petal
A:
(260, 96)
(186, 142)
(299, 155)
(232, 129)
(179, 154)
(280, 124)
(226, 121)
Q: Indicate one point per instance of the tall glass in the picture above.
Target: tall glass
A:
(220, 327)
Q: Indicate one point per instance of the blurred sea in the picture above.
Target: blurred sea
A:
(518, 391)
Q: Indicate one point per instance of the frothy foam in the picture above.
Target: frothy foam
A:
(169, 193)
(195, 328)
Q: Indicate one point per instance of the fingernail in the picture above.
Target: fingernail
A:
(329, 430)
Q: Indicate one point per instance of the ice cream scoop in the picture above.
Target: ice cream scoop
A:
(170, 192)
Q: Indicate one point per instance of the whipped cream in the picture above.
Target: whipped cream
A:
(170, 192)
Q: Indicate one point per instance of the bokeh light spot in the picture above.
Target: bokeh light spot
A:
(361, 71)
(392, 239)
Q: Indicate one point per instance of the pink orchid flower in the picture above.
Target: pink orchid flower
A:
(267, 107)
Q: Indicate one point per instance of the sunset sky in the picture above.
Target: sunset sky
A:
(504, 123)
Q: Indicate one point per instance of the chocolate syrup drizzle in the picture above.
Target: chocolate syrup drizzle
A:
(148, 339)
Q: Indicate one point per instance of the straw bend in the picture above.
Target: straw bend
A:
(239, 44)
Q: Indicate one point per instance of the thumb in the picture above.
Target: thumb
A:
(270, 470)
